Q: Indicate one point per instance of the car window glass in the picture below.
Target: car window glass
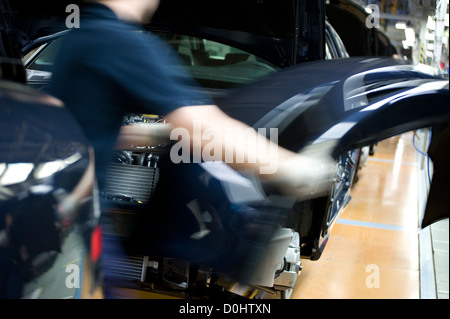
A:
(216, 65)
(44, 60)
(212, 64)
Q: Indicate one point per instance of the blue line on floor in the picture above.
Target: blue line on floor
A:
(371, 225)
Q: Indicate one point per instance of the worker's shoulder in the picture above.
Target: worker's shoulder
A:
(100, 33)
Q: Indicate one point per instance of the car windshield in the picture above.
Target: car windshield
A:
(212, 64)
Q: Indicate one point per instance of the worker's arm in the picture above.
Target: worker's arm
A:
(143, 134)
(304, 174)
(241, 146)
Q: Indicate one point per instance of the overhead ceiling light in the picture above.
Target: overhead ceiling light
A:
(400, 25)
(48, 169)
(410, 35)
(431, 23)
(16, 173)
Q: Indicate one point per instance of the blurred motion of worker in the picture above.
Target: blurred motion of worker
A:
(111, 66)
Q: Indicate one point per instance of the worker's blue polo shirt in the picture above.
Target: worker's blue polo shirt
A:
(108, 68)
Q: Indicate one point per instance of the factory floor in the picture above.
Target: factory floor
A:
(376, 249)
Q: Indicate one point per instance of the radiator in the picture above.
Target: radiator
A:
(131, 182)
(129, 268)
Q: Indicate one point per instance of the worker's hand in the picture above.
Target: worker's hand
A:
(309, 174)
(142, 135)
(67, 208)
